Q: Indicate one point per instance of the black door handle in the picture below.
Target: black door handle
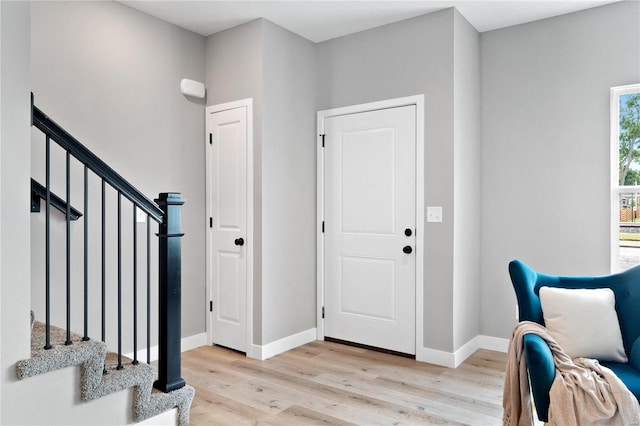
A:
(407, 249)
(408, 232)
(239, 241)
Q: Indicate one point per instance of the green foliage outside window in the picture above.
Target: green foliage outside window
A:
(629, 142)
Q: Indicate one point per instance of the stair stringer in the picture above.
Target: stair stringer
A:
(92, 357)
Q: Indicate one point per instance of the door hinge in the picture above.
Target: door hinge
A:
(323, 226)
(210, 305)
(323, 312)
(322, 140)
(210, 222)
(210, 138)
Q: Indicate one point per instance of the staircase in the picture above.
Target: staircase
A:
(100, 375)
(104, 369)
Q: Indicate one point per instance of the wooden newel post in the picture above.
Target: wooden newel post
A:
(169, 293)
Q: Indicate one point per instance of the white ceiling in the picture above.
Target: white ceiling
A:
(324, 20)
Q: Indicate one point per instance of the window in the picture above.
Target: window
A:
(625, 177)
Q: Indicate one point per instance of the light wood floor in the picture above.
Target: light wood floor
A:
(328, 383)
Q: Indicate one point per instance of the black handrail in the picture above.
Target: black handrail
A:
(99, 167)
(40, 192)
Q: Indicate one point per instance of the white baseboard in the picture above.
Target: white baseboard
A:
(491, 343)
(454, 359)
(186, 343)
(192, 342)
(280, 346)
(466, 350)
(437, 357)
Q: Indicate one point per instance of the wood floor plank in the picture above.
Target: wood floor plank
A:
(327, 396)
(274, 398)
(204, 353)
(325, 383)
(296, 415)
(380, 363)
(431, 407)
(458, 382)
(452, 399)
(321, 365)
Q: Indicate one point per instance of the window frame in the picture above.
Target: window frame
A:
(616, 189)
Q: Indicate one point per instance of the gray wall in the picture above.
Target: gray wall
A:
(467, 189)
(276, 68)
(110, 75)
(288, 184)
(410, 57)
(545, 153)
(14, 196)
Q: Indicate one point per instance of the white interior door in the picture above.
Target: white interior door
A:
(227, 195)
(370, 223)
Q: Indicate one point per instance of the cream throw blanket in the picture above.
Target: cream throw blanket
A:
(583, 392)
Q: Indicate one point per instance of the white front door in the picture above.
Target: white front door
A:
(227, 199)
(370, 224)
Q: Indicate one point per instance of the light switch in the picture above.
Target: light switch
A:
(141, 216)
(434, 214)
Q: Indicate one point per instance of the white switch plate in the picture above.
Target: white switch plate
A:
(141, 216)
(434, 214)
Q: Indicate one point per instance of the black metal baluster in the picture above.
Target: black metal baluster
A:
(119, 367)
(135, 288)
(86, 256)
(68, 341)
(47, 344)
(103, 265)
(104, 281)
(148, 290)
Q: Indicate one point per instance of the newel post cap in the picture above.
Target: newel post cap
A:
(169, 198)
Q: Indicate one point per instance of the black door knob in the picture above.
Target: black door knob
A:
(408, 232)
(239, 241)
(407, 249)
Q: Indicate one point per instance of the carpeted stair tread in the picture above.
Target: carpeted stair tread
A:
(93, 358)
(57, 337)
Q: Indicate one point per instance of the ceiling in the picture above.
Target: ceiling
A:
(323, 20)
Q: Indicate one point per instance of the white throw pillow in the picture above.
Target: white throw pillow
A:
(583, 322)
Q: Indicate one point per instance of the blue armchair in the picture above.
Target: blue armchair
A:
(626, 288)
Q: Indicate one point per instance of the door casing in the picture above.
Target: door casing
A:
(248, 104)
(418, 101)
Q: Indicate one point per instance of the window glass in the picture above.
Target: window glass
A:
(625, 125)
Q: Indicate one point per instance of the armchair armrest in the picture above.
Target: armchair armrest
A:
(542, 371)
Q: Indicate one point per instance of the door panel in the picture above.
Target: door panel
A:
(228, 195)
(374, 277)
(370, 171)
(229, 272)
(368, 181)
(229, 150)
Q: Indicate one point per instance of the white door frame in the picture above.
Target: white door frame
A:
(248, 103)
(418, 101)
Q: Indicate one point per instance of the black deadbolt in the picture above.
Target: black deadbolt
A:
(408, 232)
(407, 249)
(239, 241)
